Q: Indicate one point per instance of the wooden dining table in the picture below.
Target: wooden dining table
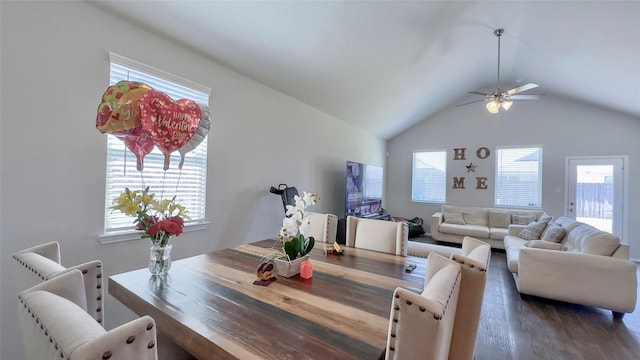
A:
(209, 306)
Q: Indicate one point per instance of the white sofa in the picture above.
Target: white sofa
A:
(585, 266)
(490, 225)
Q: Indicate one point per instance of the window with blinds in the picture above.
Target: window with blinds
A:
(519, 177)
(187, 184)
(429, 177)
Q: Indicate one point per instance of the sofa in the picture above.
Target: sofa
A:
(570, 261)
(490, 225)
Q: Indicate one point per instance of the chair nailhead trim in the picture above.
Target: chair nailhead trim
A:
(99, 309)
(396, 307)
(99, 276)
(393, 335)
(422, 309)
(99, 298)
(107, 355)
(409, 302)
(151, 344)
(99, 286)
(397, 296)
(392, 348)
(85, 271)
(149, 326)
(131, 339)
(395, 320)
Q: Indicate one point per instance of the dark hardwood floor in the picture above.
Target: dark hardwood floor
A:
(534, 328)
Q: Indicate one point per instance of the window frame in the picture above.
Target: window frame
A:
(444, 154)
(178, 88)
(537, 205)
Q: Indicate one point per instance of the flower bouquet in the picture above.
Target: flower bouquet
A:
(159, 221)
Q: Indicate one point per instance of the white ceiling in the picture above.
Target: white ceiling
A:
(386, 65)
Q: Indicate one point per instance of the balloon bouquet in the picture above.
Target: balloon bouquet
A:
(143, 117)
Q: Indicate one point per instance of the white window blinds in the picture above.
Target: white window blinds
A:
(429, 177)
(519, 177)
(188, 184)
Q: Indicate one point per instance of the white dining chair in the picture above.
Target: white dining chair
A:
(378, 235)
(323, 227)
(56, 325)
(421, 325)
(474, 261)
(42, 263)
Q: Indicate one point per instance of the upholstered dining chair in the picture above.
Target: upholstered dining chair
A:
(474, 262)
(421, 325)
(42, 262)
(378, 235)
(56, 325)
(323, 227)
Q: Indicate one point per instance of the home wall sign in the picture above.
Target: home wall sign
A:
(482, 153)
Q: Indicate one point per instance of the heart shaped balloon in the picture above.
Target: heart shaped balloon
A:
(118, 110)
(198, 136)
(140, 144)
(169, 123)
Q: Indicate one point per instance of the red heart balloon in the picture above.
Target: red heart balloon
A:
(169, 123)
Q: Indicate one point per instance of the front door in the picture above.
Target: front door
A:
(595, 187)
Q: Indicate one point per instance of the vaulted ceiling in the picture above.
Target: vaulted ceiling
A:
(386, 65)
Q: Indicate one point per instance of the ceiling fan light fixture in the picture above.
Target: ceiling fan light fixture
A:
(493, 106)
(506, 105)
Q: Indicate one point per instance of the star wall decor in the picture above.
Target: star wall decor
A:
(471, 167)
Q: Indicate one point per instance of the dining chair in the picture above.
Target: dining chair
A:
(474, 262)
(421, 325)
(56, 325)
(42, 263)
(378, 235)
(323, 227)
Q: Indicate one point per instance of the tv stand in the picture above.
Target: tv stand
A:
(341, 237)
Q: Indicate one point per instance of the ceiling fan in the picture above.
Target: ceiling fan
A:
(503, 98)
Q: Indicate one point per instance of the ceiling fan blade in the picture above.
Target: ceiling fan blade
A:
(478, 93)
(470, 102)
(526, 97)
(522, 88)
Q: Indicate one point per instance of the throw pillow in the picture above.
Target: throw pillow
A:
(553, 232)
(541, 244)
(454, 218)
(522, 219)
(499, 219)
(545, 218)
(533, 230)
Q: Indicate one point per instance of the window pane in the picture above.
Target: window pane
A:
(187, 184)
(429, 178)
(519, 177)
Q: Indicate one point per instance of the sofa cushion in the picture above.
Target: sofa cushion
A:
(512, 246)
(498, 233)
(476, 216)
(554, 232)
(533, 230)
(476, 231)
(598, 242)
(522, 219)
(547, 245)
(499, 219)
(454, 218)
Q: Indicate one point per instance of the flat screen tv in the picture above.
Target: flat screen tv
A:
(364, 189)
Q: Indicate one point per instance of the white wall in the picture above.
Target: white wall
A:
(562, 127)
(54, 70)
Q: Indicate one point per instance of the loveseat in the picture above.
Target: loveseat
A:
(574, 262)
(490, 225)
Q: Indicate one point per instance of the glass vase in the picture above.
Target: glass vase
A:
(160, 259)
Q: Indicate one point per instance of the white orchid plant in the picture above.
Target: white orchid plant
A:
(295, 225)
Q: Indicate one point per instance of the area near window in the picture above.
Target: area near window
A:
(429, 177)
(519, 177)
(188, 183)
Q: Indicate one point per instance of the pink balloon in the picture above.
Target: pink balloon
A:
(138, 142)
(198, 136)
(169, 123)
